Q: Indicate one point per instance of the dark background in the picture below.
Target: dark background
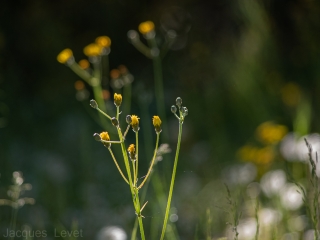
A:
(229, 64)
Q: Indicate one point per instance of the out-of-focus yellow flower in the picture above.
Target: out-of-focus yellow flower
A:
(258, 156)
(114, 73)
(117, 99)
(291, 94)
(103, 41)
(146, 27)
(64, 55)
(132, 151)
(105, 94)
(92, 50)
(270, 133)
(79, 85)
(84, 64)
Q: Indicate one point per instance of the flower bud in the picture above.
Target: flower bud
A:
(135, 123)
(105, 136)
(117, 99)
(97, 137)
(173, 109)
(128, 119)
(185, 111)
(115, 122)
(132, 152)
(179, 102)
(156, 121)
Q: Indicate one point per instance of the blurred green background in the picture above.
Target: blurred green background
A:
(230, 64)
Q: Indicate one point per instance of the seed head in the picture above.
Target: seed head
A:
(185, 111)
(64, 55)
(103, 41)
(117, 99)
(146, 27)
(135, 123)
(132, 152)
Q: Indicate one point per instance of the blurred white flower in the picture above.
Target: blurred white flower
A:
(290, 198)
(112, 233)
(240, 174)
(272, 182)
(268, 216)
(247, 229)
(309, 235)
(298, 223)
(288, 147)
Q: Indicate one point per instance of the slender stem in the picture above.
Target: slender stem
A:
(134, 230)
(137, 153)
(115, 161)
(152, 162)
(80, 72)
(14, 220)
(142, 48)
(103, 113)
(172, 181)
(134, 173)
(134, 191)
(117, 113)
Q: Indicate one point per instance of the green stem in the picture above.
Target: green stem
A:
(134, 192)
(172, 181)
(152, 162)
(137, 155)
(14, 220)
(80, 72)
(115, 161)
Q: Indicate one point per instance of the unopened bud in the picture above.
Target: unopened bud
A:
(128, 119)
(185, 111)
(115, 122)
(97, 137)
(179, 102)
(173, 109)
(93, 104)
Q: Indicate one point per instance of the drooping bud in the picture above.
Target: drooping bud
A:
(179, 102)
(93, 104)
(115, 122)
(128, 119)
(97, 137)
(173, 109)
(184, 111)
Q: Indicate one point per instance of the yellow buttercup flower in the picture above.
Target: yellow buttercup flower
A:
(103, 41)
(65, 55)
(92, 50)
(117, 99)
(146, 27)
(270, 133)
(135, 123)
(156, 121)
(105, 136)
(132, 151)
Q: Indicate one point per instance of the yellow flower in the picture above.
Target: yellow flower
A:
(103, 41)
(84, 64)
(156, 121)
(132, 151)
(92, 50)
(117, 99)
(135, 123)
(146, 27)
(270, 133)
(65, 55)
(105, 136)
